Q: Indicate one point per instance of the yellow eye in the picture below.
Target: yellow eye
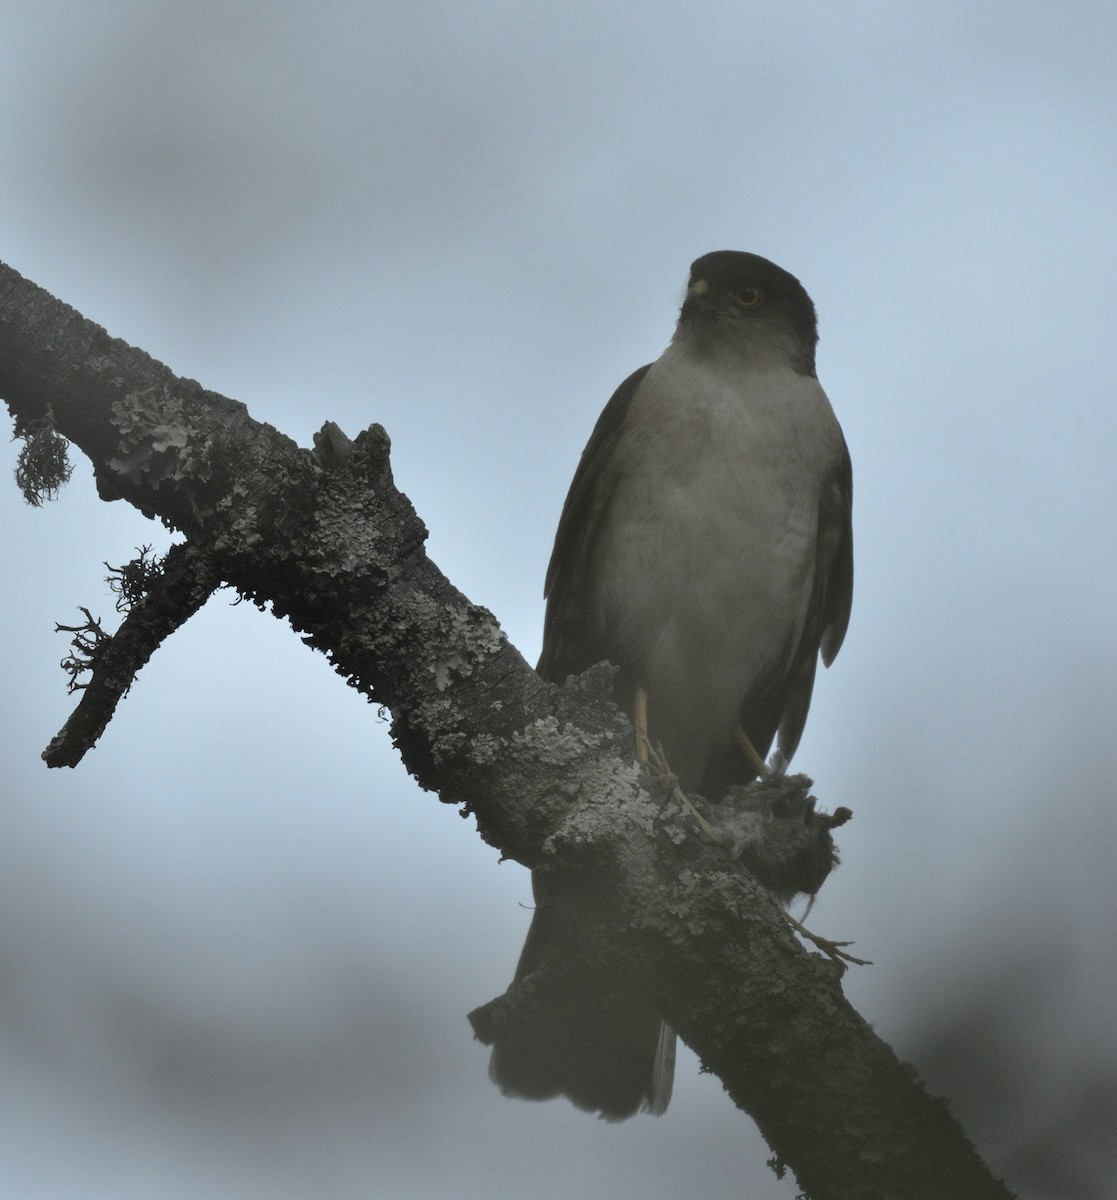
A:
(751, 297)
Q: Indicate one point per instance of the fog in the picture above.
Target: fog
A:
(238, 944)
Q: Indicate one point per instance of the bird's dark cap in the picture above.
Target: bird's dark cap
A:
(731, 268)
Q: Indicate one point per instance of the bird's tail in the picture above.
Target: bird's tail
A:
(573, 1035)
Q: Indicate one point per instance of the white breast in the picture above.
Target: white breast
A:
(706, 560)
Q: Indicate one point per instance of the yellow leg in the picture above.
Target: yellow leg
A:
(654, 764)
(640, 721)
(752, 756)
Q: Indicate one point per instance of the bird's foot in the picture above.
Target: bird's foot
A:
(656, 766)
(835, 951)
(776, 766)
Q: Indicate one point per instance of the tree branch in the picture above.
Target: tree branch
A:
(185, 583)
(328, 541)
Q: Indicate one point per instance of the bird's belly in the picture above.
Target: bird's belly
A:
(713, 572)
(704, 583)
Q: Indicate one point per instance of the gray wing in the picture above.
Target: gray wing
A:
(831, 600)
(570, 644)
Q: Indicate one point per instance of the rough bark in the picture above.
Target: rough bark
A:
(325, 539)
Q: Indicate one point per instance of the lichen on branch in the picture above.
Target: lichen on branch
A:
(43, 467)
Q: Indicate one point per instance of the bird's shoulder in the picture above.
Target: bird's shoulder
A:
(584, 498)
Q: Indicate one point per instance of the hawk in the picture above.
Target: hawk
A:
(705, 550)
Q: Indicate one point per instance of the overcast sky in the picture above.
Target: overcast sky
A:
(237, 944)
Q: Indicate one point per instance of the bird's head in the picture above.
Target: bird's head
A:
(744, 303)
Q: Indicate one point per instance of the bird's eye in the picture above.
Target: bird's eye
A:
(750, 297)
